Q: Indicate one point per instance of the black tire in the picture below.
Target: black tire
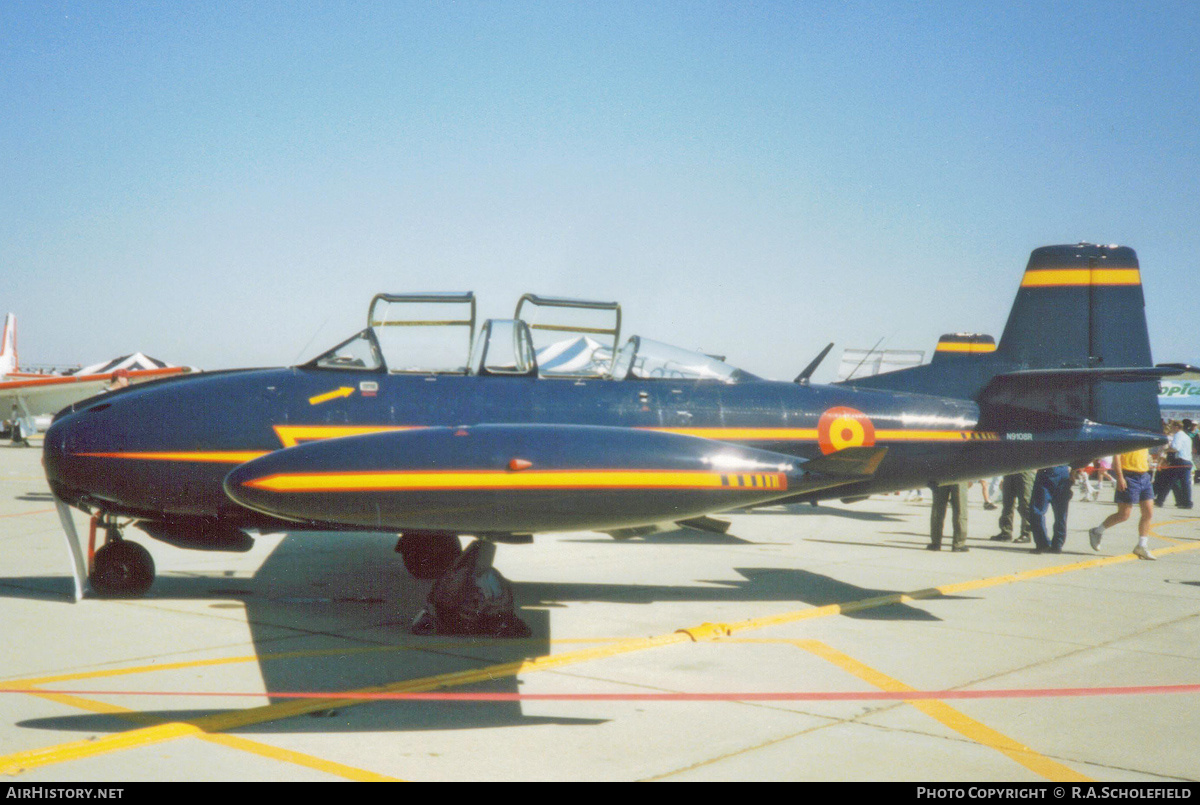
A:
(122, 569)
(428, 555)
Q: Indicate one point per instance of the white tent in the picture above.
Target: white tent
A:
(574, 356)
(135, 362)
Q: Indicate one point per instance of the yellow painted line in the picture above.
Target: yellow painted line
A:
(283, 655)
(343, 391)
(943, 713)
(301, 759)
(222, 722)
(1081, 277)
(231, 741)
(728, 629)
(188, 664)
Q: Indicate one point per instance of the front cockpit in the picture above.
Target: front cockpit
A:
(548, 338)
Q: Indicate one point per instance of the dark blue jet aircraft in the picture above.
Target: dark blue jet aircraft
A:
(580, 435)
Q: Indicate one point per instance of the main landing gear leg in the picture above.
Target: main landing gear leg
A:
(120, 569)
(472, 598)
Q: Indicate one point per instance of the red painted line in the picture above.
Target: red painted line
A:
(744, 696)
(26, 514)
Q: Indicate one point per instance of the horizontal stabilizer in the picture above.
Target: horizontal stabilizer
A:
(1180, 367)
(1063, 392)
(851, 463)
(710, 524)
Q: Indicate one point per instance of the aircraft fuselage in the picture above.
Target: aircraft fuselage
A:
(163, 450)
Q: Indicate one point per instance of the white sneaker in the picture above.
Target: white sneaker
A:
(1094, 537)
(1143, 553)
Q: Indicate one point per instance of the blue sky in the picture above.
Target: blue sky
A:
(223, 184)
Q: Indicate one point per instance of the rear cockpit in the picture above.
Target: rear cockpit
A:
(435, 334)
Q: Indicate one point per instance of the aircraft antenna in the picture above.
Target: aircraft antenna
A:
(804, 376)
(304, 350)
(870, 352)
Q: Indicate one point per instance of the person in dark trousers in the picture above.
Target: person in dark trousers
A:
(1015, 491)
(1175, 470)
(1189, 427)
(956, 496)
(1051, 490)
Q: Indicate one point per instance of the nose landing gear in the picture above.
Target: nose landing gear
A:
(119, 569)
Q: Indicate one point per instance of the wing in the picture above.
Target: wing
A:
(38, 395)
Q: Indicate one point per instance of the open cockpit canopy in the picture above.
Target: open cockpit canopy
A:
(547, 338)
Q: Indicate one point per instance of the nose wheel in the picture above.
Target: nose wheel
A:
(121, 569)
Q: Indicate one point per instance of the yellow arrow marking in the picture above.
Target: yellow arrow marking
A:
(344, 391)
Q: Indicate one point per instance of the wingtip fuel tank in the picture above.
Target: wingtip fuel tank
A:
(514, 478)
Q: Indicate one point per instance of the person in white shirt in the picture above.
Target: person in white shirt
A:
(1175, 470)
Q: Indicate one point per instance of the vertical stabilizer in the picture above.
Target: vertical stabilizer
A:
(8, 346)
(955, 346)
(1082, 307)
(1079, 314)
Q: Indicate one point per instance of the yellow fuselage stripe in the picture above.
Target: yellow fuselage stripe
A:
(291, 435)
(294, 435)
(1081, 277)
(810, 434)
(214, 456)
(530, 479)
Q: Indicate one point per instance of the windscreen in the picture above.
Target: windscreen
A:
(358, 353)
(424, 334)
(646, 359)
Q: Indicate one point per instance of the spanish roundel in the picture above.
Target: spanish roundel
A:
(841, 427)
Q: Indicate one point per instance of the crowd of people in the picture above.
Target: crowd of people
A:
(1141, 479)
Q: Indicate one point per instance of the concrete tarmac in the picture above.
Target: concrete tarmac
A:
(808, 643)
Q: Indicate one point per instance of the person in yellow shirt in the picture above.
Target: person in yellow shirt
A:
(1133, 486)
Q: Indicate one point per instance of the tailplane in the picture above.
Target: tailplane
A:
(8, 346)
(1076, 345)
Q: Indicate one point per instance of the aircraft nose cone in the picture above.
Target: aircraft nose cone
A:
(56, 457)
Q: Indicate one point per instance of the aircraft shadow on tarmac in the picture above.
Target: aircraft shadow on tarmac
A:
(808, 510)
(675, 536)
(329, 615)
(36, 497)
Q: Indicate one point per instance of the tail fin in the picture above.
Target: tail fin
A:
(1082, 307)
(1078, 307)
(955, 346)
(8, 346)
(1078, 318)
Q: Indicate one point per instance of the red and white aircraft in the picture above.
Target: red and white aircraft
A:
(25, 396)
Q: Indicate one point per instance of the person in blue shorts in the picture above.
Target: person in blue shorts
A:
(1133, 486)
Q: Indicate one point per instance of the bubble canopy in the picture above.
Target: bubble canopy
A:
(433, 345)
